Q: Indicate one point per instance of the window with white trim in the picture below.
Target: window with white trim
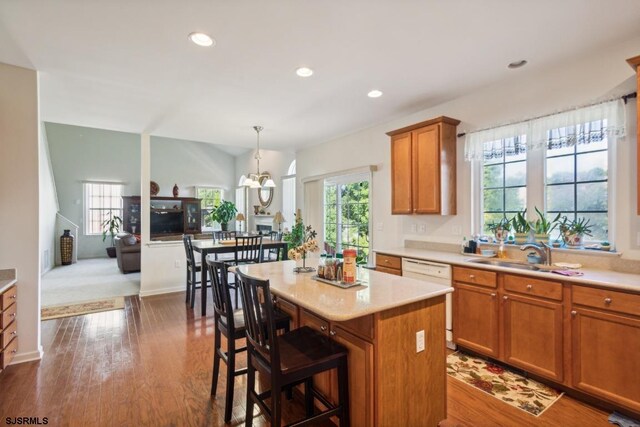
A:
(347, 203)
(210, 197)
(102, 201)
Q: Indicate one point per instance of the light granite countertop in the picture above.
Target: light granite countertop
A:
(7, 278)
(379, 292)
(601, 278)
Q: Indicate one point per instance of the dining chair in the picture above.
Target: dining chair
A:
(248, 250)
(287, 359)
(230, 323)
(193, 268)
(274, 254)
(223, 235)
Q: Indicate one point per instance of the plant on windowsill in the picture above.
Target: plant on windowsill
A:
(500, 229)
(521, 227)
(542, 227)
(301, 240)
(223, 213)
(111, 226)
(573, 232)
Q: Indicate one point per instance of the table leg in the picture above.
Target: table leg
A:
(285, 256)
(203, 282)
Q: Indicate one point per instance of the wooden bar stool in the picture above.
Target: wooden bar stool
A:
(193, 268)
(288, 359)
(231, 324)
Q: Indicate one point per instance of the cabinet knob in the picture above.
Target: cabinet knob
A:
(323, 328)
(12, 315)
(274, 301)
(472, 276)
(493, 295)
(505, 297)
(607, 301)
(386, 261)
(574, 313)
(14, 351)
(529, 287)
(332, 333)
(13, 296)
(14, 332)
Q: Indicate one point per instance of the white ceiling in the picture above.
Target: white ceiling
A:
(128, 65)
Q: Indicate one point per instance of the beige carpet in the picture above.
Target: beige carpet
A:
(503, 384)
(88, 307)
(87, 280)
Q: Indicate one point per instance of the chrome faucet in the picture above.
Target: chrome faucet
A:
(543, 250)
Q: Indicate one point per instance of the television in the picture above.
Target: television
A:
(167, 222)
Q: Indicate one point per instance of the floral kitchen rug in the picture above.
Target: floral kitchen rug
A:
(77, 309)
(498, 381)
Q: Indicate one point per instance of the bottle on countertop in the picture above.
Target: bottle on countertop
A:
(339, 266)
(330, 268)
(465, 249)
(349, 270)
(321, 264)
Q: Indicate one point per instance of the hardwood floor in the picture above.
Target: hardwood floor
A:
(150, 364)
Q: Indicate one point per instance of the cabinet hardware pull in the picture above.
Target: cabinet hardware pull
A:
(529, 287)
(14, 332)
(505, 297)
(323, 328)
(13, 296)
(14, 351)
(573, 313)
(493, 295)
(332, 333)
(274, 301)
(471, 276)
(607, 300)
(387, 261)
(12, 315)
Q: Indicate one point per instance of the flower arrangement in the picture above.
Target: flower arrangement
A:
(301, 240)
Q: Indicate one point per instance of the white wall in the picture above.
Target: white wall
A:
(19, 213)
(530, 92)
(48, 206)
(277, 164)
(86, 154)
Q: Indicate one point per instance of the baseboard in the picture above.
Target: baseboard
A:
(27, 357)
(161, 291)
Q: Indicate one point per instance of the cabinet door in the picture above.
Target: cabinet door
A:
(192, 217)
(291, 309)
(475, 319)
(605, 356)
(401, 182)
(322, 382)
(532, 331)
(360, 361)
(426, 170)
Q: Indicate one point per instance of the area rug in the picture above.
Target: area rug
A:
(77, 309)
(500, 382)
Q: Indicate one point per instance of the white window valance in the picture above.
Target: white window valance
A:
(579, 126)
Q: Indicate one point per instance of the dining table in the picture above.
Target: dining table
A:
(209, 246)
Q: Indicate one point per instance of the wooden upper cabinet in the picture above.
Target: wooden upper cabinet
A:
(635, 64)
(423, 168)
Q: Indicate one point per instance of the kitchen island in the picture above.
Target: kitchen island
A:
(390, 381)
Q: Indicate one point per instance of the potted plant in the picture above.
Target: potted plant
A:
(521, 227)
(605, 246)
(573, 232)
(223, 213)
(111, 225)
(301, 240)
(543, 227)
(500, 229)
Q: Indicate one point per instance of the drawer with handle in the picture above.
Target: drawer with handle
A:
(8, 334)
(8, 316)
(533, 287)
(607, 299)
(8, 353)
(476, 277)
(8, 297)
(388, 261)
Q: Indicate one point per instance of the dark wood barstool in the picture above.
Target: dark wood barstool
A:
(193, 268)
(288, 359)
(230, 323)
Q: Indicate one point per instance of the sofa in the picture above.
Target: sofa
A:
(127, 252)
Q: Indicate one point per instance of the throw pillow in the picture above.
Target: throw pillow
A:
(129, 240)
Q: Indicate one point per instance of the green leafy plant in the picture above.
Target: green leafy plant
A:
(542, 225)
(581, 226)
(111, 226)
(503, 224)
(519, 222)
(223, 213)
(301, 239)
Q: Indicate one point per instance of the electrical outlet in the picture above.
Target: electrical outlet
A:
(456, 230)
(414, 228)
(420, 341)
(177, 264)
(422, 228)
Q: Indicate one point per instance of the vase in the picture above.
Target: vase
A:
(66, 248)
(176, 190)
(224, 226)
(521, 238)
(541, 238)
(256, 209)
(573, 240)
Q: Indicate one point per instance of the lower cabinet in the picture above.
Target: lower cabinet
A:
(475, 321)
(605, 355)
(532, 334)
(322, 382)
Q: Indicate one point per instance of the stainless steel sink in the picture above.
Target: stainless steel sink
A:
(509, 264)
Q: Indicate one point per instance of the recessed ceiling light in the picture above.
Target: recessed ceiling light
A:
(201, 39)
(517, 64)
(375, 94)
(304, 72)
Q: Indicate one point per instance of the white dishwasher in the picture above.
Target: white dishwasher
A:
(434, 273)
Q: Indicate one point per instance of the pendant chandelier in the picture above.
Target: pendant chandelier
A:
(258, 180)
